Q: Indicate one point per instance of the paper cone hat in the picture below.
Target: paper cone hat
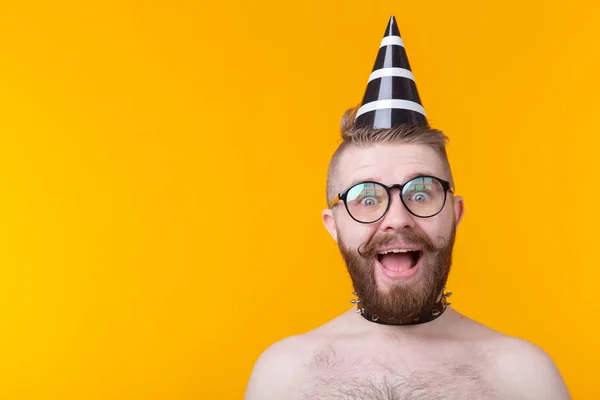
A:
(391, 97)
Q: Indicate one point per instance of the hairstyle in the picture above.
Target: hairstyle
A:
(355, 136)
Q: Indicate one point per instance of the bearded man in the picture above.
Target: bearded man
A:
(393, 212)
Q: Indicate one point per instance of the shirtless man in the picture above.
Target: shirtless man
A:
(393, 213)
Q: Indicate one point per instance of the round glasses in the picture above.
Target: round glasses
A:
(368, 202)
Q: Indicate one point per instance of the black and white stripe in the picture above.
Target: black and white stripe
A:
(391, 97)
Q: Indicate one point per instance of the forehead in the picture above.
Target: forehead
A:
(389, 163)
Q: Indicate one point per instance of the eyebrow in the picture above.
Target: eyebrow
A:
(377, 179)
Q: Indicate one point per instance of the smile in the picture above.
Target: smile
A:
(399, 262)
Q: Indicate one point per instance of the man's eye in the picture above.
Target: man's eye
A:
(369, 201)
(419, 197)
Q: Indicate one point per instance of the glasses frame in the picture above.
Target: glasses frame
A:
(341, 196)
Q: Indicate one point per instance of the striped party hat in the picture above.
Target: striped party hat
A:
(391, 97)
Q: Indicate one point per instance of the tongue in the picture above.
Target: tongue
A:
(397, 262)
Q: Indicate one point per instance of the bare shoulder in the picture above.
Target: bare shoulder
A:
(277, 369)
(521, 366)
(527, 369)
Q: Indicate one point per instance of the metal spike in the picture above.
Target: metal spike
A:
(435, 313)
(448, 294)
(374, 318)
(353, 301)
(360, 311)
(448, 304)
(354, 293)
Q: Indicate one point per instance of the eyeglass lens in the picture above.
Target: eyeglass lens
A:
(423, 196)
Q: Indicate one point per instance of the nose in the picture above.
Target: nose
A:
(397, 216)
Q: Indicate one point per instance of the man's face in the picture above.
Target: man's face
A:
(398, 285)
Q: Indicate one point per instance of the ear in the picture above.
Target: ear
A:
(459, 208)
(329, 222)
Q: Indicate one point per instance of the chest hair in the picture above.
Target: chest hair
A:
(331, 377)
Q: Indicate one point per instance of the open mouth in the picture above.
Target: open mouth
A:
(398, 261)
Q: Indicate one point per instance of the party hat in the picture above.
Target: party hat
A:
(391, 97)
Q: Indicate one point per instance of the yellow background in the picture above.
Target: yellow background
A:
(162, 170)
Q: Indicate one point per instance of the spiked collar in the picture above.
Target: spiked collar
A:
(426, 316)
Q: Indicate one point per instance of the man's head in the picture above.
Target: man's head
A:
(408, 278)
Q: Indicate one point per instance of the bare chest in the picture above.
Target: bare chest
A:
(394, 376)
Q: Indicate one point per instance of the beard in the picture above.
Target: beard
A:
(404, 300)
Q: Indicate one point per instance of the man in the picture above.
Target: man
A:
(393, 213)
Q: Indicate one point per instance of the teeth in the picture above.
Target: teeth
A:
(397, 251)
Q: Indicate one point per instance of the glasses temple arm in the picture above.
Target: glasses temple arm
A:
(335, 200)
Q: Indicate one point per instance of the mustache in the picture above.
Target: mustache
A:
(370, 248)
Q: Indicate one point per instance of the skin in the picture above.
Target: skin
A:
(451, 357)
